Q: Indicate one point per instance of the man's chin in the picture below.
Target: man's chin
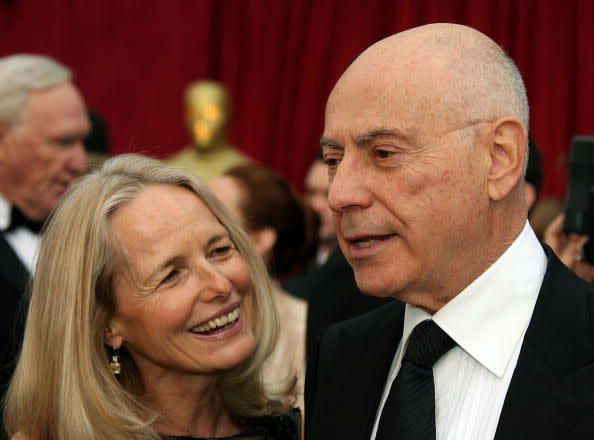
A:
(372, 286)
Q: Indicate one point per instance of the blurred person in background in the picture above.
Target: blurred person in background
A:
(569, 248)
(151, 316)
(283, 231)
(547, 219)
(316, 194)
(43, 121)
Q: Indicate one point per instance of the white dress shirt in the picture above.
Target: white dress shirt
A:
(488, 321)
(23, 241)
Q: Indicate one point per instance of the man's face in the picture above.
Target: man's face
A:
(43, 152)
(407, 185)
(316, 194)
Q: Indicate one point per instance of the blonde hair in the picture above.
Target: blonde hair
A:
(63, 387)
(23, 73)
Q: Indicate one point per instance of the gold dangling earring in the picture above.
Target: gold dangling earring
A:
(115, 364)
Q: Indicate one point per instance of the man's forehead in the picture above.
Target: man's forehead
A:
(60, 108)
(408, 95)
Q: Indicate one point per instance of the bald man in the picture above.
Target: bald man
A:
(425, 139)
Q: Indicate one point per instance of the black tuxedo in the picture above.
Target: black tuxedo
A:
(551, 394)
(14, 279)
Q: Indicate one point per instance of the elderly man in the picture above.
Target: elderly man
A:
(43, 122)
(425, 140)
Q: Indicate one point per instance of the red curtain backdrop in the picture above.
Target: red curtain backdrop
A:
(280, 59)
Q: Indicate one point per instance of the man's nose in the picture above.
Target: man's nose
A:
(78, 161)
(348, 186)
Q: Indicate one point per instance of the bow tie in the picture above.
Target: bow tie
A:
(18, 220)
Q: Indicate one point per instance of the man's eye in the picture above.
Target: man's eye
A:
(383, 154)
(331, 161)
(67, 142)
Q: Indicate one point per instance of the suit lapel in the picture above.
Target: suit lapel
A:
(377, 346)
(11, 267)
(550, 353)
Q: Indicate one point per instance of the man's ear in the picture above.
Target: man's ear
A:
(264, 240)
(112, 335)
(507, 151)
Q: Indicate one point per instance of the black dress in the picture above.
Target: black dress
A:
(285, 426)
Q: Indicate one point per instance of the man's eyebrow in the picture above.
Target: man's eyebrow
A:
(371, 134)
(380, 132)
(327, 143)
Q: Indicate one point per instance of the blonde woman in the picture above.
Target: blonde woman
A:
(151, 317)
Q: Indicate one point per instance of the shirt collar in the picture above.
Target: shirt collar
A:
(5, 209)
(489, 317)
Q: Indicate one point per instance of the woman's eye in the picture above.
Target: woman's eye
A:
(221, 251)
(171, 276)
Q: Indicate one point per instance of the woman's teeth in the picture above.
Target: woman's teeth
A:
(217, 323)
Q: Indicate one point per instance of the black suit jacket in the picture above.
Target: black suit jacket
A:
(551, 394)
(14, 279)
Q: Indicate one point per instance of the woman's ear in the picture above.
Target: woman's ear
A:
(507, 152)
(112, 336)
(264, 240)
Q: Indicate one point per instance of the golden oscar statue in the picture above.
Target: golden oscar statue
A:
(207, 117)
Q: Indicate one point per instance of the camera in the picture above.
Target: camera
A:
(579, 210)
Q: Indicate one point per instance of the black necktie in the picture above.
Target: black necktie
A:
(409, 412)
(18, 219)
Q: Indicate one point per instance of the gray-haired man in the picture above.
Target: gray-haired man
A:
(43, 121)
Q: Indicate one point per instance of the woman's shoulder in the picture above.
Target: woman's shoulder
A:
(285, 426)
(21, 436)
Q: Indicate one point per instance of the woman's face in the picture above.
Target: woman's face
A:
(184, 294)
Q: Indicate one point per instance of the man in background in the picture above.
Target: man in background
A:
(43, 121)
(316, 194)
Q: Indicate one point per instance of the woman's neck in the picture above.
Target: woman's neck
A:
(191, 407)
